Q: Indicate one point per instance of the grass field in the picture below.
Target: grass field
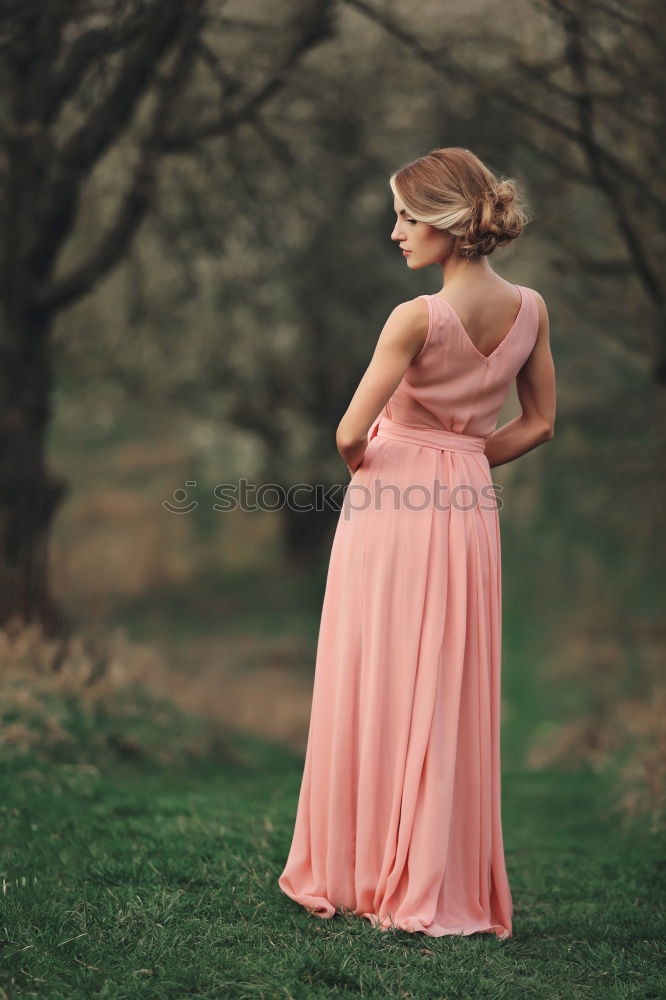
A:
(127, 871)
(140, 881)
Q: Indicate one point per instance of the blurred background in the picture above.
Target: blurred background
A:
(196, 265)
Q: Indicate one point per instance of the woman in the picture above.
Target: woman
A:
(399, 814)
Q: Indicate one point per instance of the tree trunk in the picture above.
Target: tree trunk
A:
(29, 493)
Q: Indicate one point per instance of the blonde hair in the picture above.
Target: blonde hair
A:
(452, 189)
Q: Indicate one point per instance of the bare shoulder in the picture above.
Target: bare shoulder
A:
(540, 301)
(412, 311)
(410, 322)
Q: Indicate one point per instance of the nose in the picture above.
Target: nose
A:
(396, 235)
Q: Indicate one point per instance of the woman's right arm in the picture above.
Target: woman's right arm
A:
(535, 384)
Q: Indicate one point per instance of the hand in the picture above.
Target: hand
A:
(352, 470)
(352, 455)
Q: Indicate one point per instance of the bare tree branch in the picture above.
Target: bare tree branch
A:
(136, 202)
(95, 135)
(597, 163)
(86, 49)
(69, 166)
(319, 29)
(445, 64)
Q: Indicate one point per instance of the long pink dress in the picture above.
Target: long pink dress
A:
(399, 812)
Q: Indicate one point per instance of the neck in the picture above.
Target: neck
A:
(456, 267)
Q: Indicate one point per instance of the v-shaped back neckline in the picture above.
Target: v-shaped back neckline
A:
(486, 357)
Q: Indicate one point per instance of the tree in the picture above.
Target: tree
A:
(79, 77)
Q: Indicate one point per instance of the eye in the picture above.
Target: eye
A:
(413, 221)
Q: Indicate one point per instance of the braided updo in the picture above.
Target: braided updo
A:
(452, 189)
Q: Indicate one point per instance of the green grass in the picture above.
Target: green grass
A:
(135, 881)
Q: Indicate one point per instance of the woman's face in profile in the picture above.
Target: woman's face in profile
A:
(425, 244)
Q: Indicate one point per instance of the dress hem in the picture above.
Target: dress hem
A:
(317, 906)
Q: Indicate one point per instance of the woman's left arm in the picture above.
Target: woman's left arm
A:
(402, 337)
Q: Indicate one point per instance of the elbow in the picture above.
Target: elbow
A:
(548, 431)
(346, 445)
(537, 429)
(342, 443)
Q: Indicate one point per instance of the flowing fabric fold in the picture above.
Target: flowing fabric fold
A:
(398, 817)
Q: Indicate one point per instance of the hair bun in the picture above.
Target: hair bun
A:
(495, 220)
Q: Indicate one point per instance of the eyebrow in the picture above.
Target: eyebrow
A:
(403, 211)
